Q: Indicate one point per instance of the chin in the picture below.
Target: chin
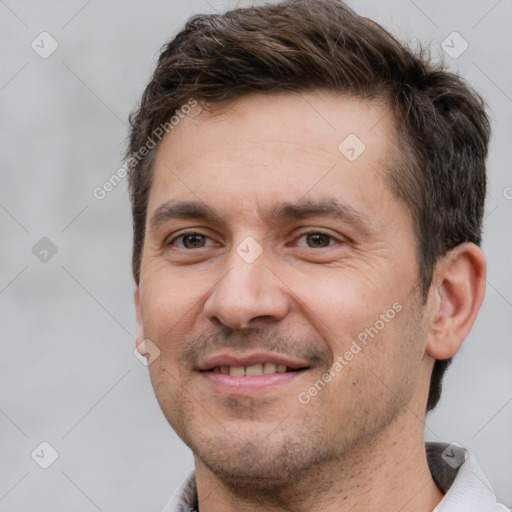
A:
(260, 463)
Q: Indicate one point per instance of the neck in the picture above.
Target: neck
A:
(388, 474)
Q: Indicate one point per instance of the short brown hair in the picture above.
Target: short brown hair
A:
(309, 45)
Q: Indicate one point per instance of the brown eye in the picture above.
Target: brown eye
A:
(191, 241)
(318, 240)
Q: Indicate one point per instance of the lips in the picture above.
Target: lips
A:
(236, 373)
(250, 364)
(250, 371)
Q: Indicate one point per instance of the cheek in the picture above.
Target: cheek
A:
(372, 333)
(392, 347)
(341, 305)
(373, 375)
(171, 302)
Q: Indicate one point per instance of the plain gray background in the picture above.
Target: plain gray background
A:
(68, 374)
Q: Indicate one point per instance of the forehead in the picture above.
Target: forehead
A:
(283, 147)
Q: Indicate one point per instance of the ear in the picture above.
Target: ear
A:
(138, 314)
(455, 297)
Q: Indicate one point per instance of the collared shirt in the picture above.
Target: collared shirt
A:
(455, 471)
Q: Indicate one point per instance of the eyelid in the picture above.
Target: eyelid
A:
(337, 238)
(180, 234)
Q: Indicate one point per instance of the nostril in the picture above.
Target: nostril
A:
(264, 318)
(215, 321)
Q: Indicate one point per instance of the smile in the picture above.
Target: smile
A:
(253, 370)
(247, 373)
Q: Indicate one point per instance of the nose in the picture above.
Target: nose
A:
(247, 294)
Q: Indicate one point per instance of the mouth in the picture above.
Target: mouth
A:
(236, 374)
(253, 370)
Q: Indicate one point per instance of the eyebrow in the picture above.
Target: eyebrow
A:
(330, 207)
(173, 209)
(322, 208)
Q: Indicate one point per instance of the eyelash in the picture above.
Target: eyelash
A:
(183, 235)
(189, 233)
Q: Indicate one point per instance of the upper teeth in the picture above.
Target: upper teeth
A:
(255, 369)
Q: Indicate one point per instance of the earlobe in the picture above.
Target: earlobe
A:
(138, 314)
(456, 294)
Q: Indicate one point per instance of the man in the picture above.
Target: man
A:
(307, 197)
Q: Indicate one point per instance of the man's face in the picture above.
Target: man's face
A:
(271, 247)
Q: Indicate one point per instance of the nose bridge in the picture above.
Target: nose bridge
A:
(243, 279)
(247, 291)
